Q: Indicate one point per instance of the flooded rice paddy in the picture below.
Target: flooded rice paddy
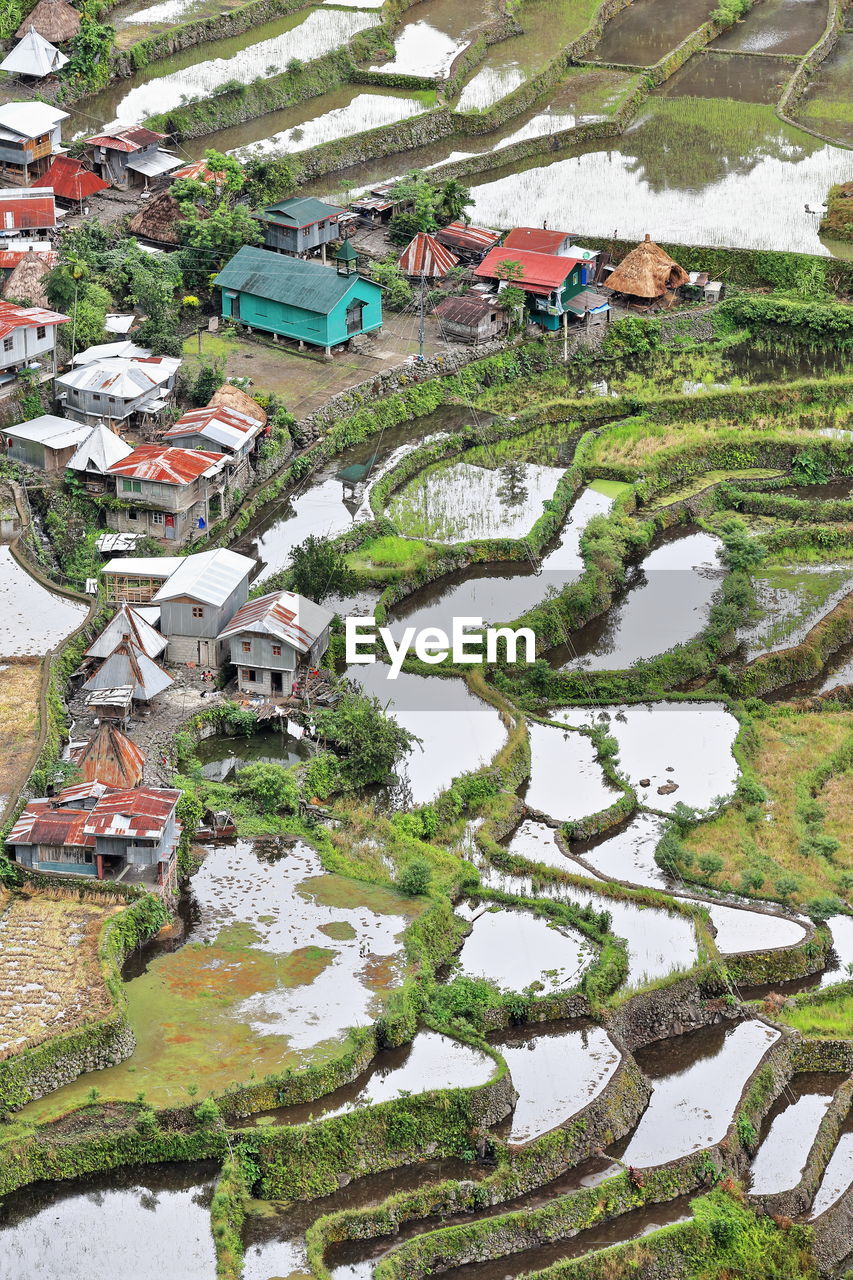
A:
(789, 1131)
(698, 1079)
(840, 966)
(566, 779)
(826, 107)
(683, 747)
(223, 758)
(33, 620)
(666, 603)
(557, 1069)
(777, 26)
(790, 600)
(280, 960)
(838, 1175)
(432, 33)
(628, 855)
(743, 930)
(517, 950)
(646, 30)
(143, 1223)
(460, 500)
(739, 76)
(193, 74)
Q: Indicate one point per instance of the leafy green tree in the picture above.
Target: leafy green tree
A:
(214, 238)
(208, 380)
(452, 202)
(269, 179)
(741, 553)
(270, 788)
(398, 291)
(318, 569)
(89, 53)
(421, 197)
(369, 742)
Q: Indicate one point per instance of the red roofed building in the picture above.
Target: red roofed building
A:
(26, 335)
(27, 209)
(127, 157)
(424, 258)
(218, 427)
(468, 242)
(173, 494)
(273, 635)
(70, 181)
(130, 833)
(539, 240)
(548, 281)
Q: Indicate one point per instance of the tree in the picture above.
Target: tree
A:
(422, 197)
(318, 569)
(216, 238)
(512, 489)
(370, 743)
(453, 200)
(209, 379)
(89, 53)
(398, 291)
(414, 879)
(269, 787)
(269, 179)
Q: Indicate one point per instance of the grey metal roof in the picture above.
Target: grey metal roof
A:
(49, 430)
(207, 576)
(100, 450)
(307, 285)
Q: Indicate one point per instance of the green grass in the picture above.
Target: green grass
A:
(390, 557)
(831, 1020)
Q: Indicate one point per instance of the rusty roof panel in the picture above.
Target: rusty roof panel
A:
(166, 464)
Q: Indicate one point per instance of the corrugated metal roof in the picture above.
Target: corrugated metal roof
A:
(30, 119)
(467, 310)
(69, 180)
(26, 210)
(544, 270)
(155, 164)
(53, 432)
(109, 757)
(536, 239)
(11, 258)
(301, 211)
(125, 379)
(474, 239)
(122, 349)
(92, 787)
(294, 281)
(33, 56)
(424, 256)
(129, 665)
(128, 140)
(142, 566)
(41, 824)
(139, 811)
(167, 464)
(221, 426)
(12, 317)
(207, 576)
(127, 623)
(98, 451)
(283, 614)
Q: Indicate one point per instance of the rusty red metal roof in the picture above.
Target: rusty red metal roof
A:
(111, 758)
(125, 139)
(137, 811)
(12, 317)
(69, 180)
(284, 615)
(166, 464)
(23, 211)
(195, 420)
(466, 310)
(42, 824)
(10, 258)
(536, 239)
(426, 257)
(198, 170)
(539, 271)
(475, 239)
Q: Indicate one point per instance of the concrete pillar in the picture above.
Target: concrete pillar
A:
(301, 345)
(328, 353)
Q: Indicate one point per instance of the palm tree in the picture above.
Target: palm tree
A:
(453, 200)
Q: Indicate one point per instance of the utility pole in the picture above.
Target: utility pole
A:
(565, 337)
(421, 321)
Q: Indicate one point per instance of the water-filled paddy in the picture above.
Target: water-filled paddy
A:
(682, 745)
(223, 758)
(33, 620)
(557, 1068)
(731, 75)
(143, 1223)
(516, 950)
(646, 30)
(432, 33)
(698, 1079)
(827, 107)
(666, 603)
(777, 26)
(744, 930)
(838, 1175)
(629, 854)
(789, 1131)
(280, 961)
(566, 779)
(841, 959)
(461, 500)
(790, 600)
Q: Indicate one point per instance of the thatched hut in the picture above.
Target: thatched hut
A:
(55, 20)
(646, 272)
(158, 220)
(25, 284)
(230, 397)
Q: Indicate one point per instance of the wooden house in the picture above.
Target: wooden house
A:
(30, 134)
(300, 225)
(130, 157)
(116, 389)
(136, 579)
(169, 494)
(292, 298)
(158, 221)
(471, 319)
(225, 430)
(469, 243)
(548, 282)
(47, 443)
(199, 600)
(273, 635)
(127, 624)
(27, 336)
(129, 665)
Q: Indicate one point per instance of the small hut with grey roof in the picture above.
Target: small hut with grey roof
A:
(273, 635)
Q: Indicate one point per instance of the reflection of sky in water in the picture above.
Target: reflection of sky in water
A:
(462, 500)
(753, 197)
(556, 1075)
(234, 886)
(366, 111)
(566, 779)
(751, 930)
(514, 949)
(32, 619)
(838, 1176)
(780, 1159)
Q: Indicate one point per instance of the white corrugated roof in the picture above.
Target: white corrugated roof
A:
(157, 163)
(207, 576)
(102, 448)
(127, 622)
(143, 566)
(120, 377)
(30, 119)
(111, 350)
(56, 433)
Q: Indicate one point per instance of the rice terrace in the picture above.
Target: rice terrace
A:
(426, 640)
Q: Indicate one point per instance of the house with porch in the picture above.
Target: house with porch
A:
(30, 135)
(198, 601)
(129, 834)
(271, 636)
(27, 341)
(170, 494)
(548, 281)
(117, 389)
(305, 301)
(300, 225)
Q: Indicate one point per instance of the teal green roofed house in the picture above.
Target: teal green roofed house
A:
(293, 298)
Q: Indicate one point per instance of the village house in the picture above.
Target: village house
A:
(538, 240)
(273, 635)
(292, 298)
(27, 335)
(159, 221)
(33, 58)
(25, 282)
(136, 579)
(127, 624)
(129, 666)
(198, 601)
(26, 209)
(547, 280)
(96, 453)
(129, 157)
(71, 182)
(471, 318)
(424, 258)
(300, 225)
(233, 433)
(645, 274)
(116, 389)
(131, 834)
(30, 134)
(48, 443)
(171, 494)
(469, 243)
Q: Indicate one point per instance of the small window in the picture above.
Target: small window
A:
(41, 332)
(198, 611)
(247, 646)
(132, 513)
(98, 398)
(156, 517)
(131, 486)
(8, 344)
(112, 399)
(248, 675)
(276, 651)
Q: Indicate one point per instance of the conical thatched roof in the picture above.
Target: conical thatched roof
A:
(647, 272)
(56, 20)
(26, 282)
(159, 220)
(231, 397)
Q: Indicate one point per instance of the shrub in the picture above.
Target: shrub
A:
(270, 788)
(414, 879)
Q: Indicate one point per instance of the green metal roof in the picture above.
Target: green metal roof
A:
(346, 253)
(293, 281)
(300, 211)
